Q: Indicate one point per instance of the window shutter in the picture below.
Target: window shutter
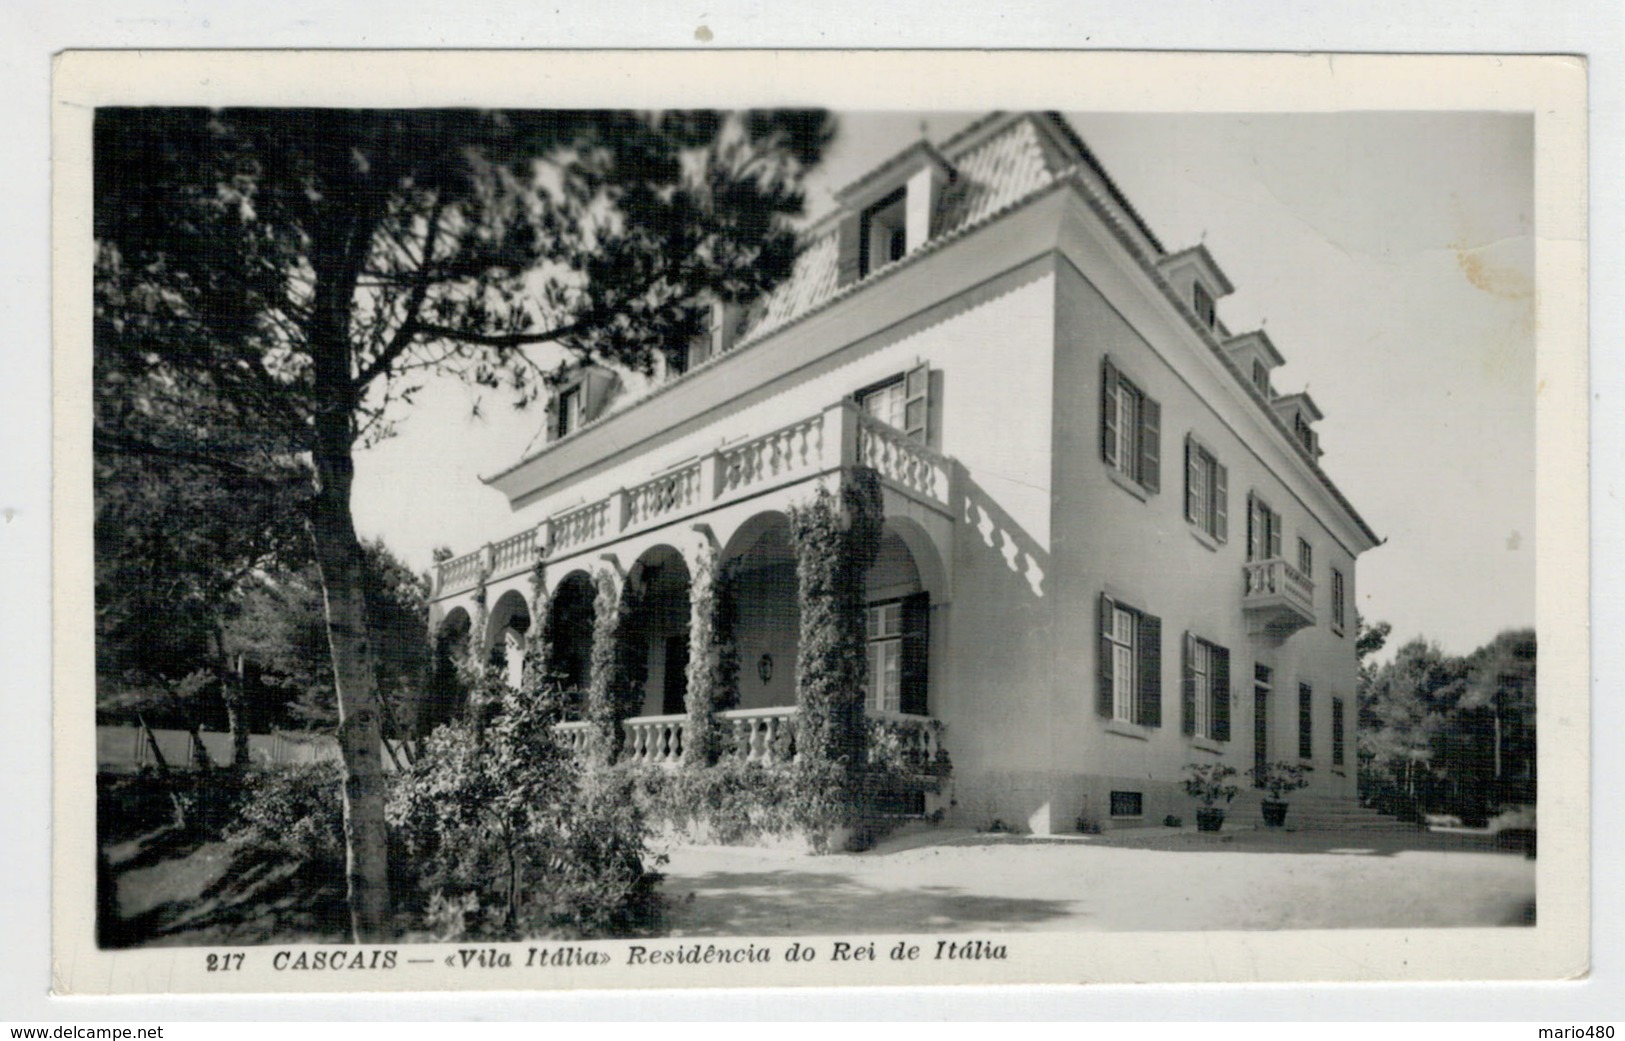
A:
(917, 403)
(1252, 528)
(916, 653)
(1103, 699)
(1187, 700)
(849, 238)
(1221, 693)
(1191, 477)
(1150, 641)
(1150, 445)
(1108, 412)
(597, 388)
(1221, 508)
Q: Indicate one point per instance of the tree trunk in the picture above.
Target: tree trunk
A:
(338, 555)
(336, 261)
(237, 714)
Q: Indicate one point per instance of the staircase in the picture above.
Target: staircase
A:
(1325, 813)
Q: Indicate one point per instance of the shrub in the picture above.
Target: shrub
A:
(292, 811)
(512, 838)
(1207, 783)
(1278, 778)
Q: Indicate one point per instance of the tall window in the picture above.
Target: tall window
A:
(1202, 303)
(1338, 603)
(1130, 429)
(1206, 689)
(899, 638)
(1337, 731)
(886, 657)
(885, 402)
(1306, 722)
(904, 402)
(1206, 491)
(1130, 686)
(1306, 558)
(1263, 530)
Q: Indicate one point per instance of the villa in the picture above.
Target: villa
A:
(1109, 547)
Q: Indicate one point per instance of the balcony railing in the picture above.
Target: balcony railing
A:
(756, 735)
(840, 436)
(1277, 598)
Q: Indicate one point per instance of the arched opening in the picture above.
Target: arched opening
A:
(509, 622)
(767, 615)
(447, 697)
(657, 626)
(568, 632)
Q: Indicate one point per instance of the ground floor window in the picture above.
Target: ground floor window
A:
(1128, 804)
(1206, 689)
(1130, 686)
(899, 640)
(1337, 731)
(886, 657)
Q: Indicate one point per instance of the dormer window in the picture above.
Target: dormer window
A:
(887, 212)
(1261, 378)
(1305, 435)
(1196, 280)
(1202, 304)
(885, 232)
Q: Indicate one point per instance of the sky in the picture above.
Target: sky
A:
(1390, 257)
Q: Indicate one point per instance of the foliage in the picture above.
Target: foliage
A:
(836, 541)
(1279, 778)
(1446, 734)
(619, 667)
(512, 838)
(713, 673)
(281, 627)
(293, 811)
(739, 800)
(280, 281)
(1207, 783)
(1173, 821)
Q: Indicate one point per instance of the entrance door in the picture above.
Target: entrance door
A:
(674, 697)
(1261, 715)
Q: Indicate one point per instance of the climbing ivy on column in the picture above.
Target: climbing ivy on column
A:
(538, 645)
(836, 540)
(713, 658)
(619, 664)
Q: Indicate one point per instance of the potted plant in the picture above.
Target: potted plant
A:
(1207, 783)
(1277, 779)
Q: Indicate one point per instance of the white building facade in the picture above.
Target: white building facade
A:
(1109, 547)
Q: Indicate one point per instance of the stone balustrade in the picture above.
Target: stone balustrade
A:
(1277, 597)
(840, 436)
(654, 740)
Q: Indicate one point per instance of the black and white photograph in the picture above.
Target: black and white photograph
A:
(686, 536)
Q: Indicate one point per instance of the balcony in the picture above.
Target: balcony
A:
(1277, 598)
(756, 735)
(826, 442)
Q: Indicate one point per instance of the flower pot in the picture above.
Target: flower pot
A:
(1209, 818)
(1274, 813)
